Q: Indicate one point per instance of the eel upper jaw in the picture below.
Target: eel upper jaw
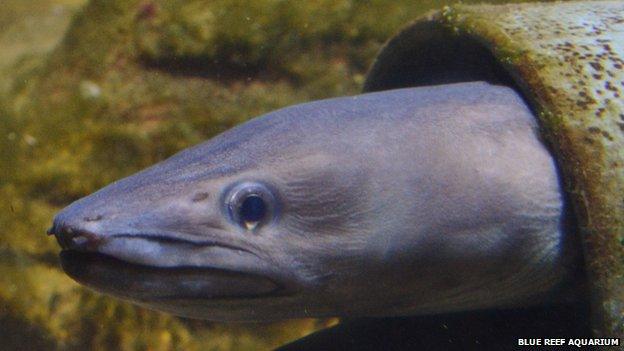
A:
(151, 268)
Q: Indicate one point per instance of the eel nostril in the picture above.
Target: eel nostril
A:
(200, 197)
(75, 239)
(93, 218)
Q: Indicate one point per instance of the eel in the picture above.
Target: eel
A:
(404, 202)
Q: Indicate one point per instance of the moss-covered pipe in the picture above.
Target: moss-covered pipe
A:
(567, 58)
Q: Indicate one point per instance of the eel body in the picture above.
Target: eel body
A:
(403, 202)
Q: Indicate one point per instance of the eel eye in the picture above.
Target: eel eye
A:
(250, 205)
(252, 209)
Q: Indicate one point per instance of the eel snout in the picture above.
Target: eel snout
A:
(70, 238)
(147, 268)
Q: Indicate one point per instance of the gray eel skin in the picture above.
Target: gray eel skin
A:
(403, 202)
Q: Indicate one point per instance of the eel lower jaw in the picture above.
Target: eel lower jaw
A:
(143, 283)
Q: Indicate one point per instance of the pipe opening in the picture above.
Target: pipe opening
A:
(428, 53)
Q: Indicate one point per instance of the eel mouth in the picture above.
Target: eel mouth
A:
(149, 283)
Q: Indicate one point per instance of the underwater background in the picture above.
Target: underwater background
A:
(92, 91)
